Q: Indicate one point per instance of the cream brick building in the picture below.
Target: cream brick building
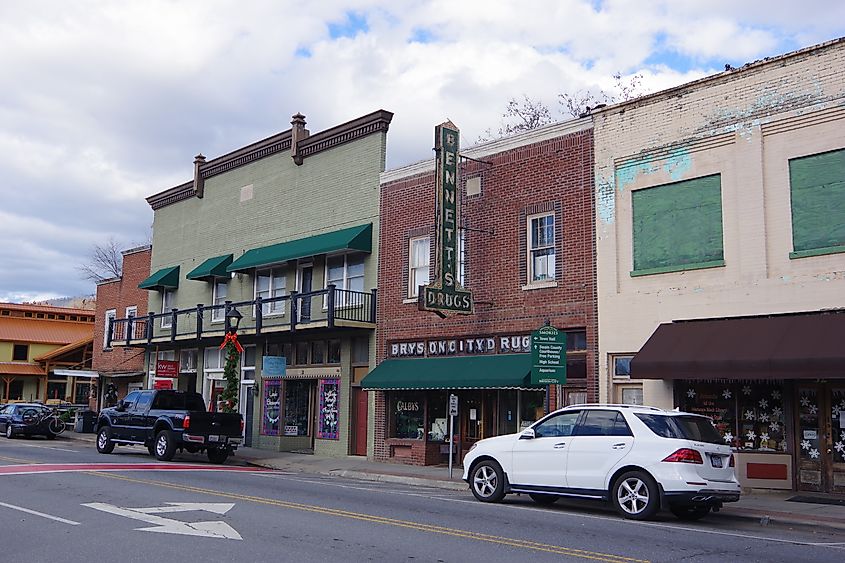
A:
(724, 198)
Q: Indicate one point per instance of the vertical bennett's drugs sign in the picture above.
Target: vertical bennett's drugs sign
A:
(446, 294)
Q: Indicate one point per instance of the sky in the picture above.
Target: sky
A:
(103, 103)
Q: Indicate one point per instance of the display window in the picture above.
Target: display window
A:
(749, 415)
(408, 416)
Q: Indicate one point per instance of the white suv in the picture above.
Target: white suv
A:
(639, 458)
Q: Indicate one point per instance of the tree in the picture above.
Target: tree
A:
(105, 261)
(530, 114)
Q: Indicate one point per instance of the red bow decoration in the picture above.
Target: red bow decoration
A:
(233, 338)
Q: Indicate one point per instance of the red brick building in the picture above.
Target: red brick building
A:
(527, 253)
(121, 366)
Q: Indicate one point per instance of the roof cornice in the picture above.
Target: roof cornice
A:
(375, 122)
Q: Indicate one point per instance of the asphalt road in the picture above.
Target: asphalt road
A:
(202, 513)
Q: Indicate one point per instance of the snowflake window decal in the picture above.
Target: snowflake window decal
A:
(764, 437)
(805, 402)
(775, 394)
(813, 409)
(728, 437)
(751, 435)
(814, 453)
(805, 444)
(746, 390)
(726, 394)
(749, 415)
(691, 393)
(776, 412)
(774, 426)
(764, 417)
(763, 403)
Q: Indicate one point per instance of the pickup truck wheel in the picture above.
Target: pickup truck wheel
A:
(217, 455)
(104, 443)
(165, 446)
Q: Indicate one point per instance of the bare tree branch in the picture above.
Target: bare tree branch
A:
(520, 115)
(105, 261)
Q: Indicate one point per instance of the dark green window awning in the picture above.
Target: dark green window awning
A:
(353, 238)
(166, 278)
(211, 268)
(501, 371)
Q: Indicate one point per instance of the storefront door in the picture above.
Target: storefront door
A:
(821, 437)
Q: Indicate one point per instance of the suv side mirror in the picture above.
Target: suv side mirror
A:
(527, 434)
(121, 406)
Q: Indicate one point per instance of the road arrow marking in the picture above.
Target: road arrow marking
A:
(211, 529)
(215, 507)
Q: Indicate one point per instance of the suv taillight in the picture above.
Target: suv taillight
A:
(186, 422)
(732, 463)
(685, 455)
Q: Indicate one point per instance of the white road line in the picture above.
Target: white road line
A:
(51, 448)
(36, 513)
(831, 545)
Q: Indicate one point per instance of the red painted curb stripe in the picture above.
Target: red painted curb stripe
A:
(76, 467)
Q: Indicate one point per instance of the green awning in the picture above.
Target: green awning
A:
(500, 371)
(166, 278)
(211, 268)
(353, 238)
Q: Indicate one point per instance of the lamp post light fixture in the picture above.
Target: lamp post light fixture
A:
(233, 319)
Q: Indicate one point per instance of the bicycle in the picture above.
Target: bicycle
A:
(55, 425)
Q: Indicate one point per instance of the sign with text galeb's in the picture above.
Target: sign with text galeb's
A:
(445, 294)
(548, 356)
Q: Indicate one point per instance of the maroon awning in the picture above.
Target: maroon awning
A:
(793, 346)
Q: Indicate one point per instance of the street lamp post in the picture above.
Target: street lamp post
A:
(228, 401)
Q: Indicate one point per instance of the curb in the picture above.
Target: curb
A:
(770, 517)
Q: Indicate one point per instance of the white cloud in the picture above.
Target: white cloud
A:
(104, 103)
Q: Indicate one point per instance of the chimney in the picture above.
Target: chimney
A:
(199, 183)
(298, 132)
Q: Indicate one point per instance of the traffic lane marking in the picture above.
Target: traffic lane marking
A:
(36, 468)
(208, 529)
(370, 518)
(580, 514)
(51, 448)
(41, 514)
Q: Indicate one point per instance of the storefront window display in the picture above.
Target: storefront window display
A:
(272, 408)
(408, 416)
(749, 415)
(327, 424)
(438, 417)
(297, 395)
(531, 408)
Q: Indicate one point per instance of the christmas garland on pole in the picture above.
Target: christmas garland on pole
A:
(228, 400)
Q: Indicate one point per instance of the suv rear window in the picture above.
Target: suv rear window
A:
(685, 427)
(179, 401)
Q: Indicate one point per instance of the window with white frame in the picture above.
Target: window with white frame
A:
(131, 312)
(621, 366)
(187, 361)
(345, 272)
(419, 256)
(541, 248)
(111, 314)
(269, 284)
(218, 297)
(167, 298)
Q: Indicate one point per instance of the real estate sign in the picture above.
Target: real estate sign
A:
(446, 294)
(548, 356)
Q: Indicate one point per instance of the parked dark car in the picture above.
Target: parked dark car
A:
(29, 419)
(168, 421)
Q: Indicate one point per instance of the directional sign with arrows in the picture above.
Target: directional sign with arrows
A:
(209, 529)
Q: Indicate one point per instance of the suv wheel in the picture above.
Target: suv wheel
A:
(487, 481)
(689, 513)
(165, 446)
(635, 495)
(104, 443)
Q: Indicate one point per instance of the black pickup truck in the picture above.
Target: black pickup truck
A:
(166, 421)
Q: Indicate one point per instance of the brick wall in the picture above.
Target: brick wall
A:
(119, 294)
(554, 174)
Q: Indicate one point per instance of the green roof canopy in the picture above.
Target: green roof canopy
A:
(166, 278)
(500, 371)
(211, 268)
(353, 238)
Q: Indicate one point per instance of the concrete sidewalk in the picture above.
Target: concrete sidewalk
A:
(757, 505)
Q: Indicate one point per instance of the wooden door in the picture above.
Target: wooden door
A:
(821, 437)
(359, 421)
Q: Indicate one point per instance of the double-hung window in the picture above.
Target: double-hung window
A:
(270, 284)
(541, 248)
(347, 273)
(817, 192)
(167, 298)
(418, 264)
(219, 291)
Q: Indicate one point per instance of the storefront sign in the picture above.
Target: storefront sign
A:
(273, 366)
(272, 408)
(473, 346)
(327, 425)
(407, 406)
(548, 356)
(167, 368)
(446, 295)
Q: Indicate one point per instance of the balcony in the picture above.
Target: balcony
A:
(324, 308)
